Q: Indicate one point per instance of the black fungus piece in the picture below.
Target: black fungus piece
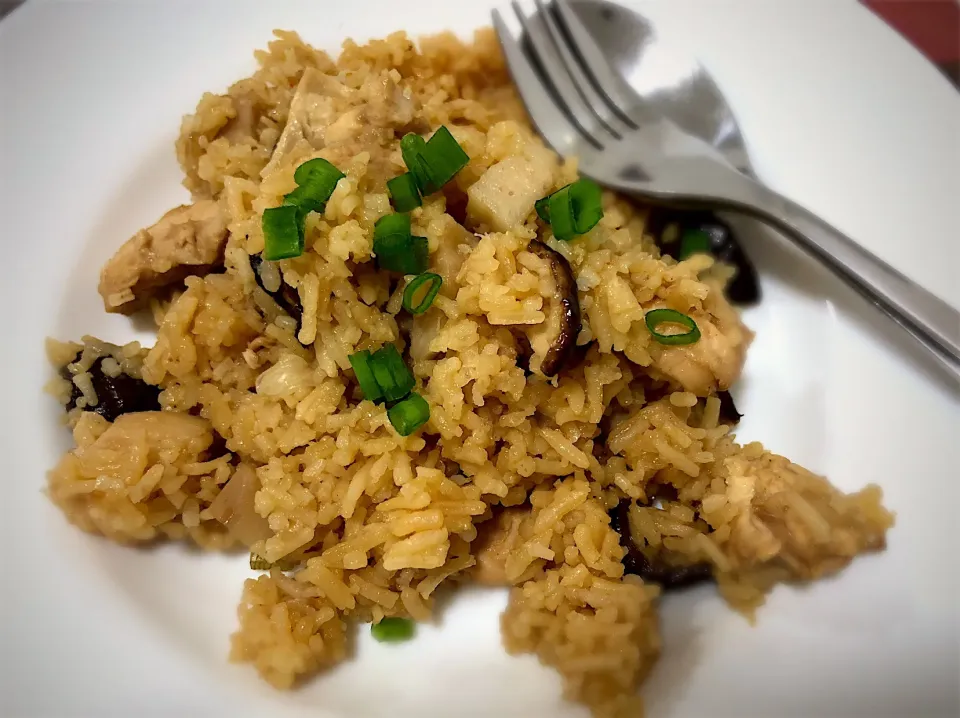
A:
(728, 410)
(564, 311)
(116, 395)
(636, 562)
(744, 288)
(287, 298)
(524, 352)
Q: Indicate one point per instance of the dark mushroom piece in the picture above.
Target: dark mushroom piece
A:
(728, 410)
(286, 297)
(667, 226)
(557, 339)
(116, 395)
(637, 563)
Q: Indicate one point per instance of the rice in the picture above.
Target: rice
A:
(514, 477)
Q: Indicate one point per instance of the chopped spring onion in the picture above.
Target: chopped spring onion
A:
(409, 415)
(361, 363)
(392, 375)
(318, 172)
(282, 232)
(396, 248)
(434, 162)
(542, 206)
(693, 241)
(392, 630)
(283, 226)
(392, 224)
(433, 282)
(444, 156)
(572, 210)
(404, 193)
(412, 147)
(316, 180)
(655, 317)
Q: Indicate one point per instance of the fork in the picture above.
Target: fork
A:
(572, 99)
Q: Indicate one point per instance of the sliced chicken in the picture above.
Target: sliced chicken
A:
(497, 539)
(187, 240)
(454, 246)
(326, 113)
(714, 362)
(504, 195)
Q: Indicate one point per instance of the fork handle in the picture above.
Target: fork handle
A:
(926, 317)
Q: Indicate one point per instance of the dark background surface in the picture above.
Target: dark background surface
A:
(933, 26)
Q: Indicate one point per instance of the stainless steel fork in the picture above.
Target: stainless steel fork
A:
(572, 99)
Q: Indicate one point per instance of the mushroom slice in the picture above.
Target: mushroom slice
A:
(553, 342)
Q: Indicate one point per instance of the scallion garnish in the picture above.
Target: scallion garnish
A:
(283, 226)
(391, 374)
(572, 210)
(656, 317)
(396, 249)
(409, 415)
(693, 241)
(444, 156)
(434, 162)
(361, 363)
(392, 630)
(282, 232)
(404, 193)
(412, 147)
(390, 224)
(433, 282)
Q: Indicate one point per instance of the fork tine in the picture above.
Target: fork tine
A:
(558, 82)
(549, 120)
(603, 78)
(581, 83)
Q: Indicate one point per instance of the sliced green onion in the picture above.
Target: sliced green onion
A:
(444, 156)
(587, 201)
(392, 630)
(316, 180)
(433, 282)
(392, 224)
(572, 210)
(282, 232)
(693, 241)
(655, 317)
(361, 363)
(407, 255)
(542, 206)
(561, 214)
(409, 415)
(404, 193)
(391, 373)
(412, 147)
(318, 172)
(283, 226)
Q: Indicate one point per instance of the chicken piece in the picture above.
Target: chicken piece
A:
(504, 195)
(326, 113)
(249, 108)
(187, 240)
(497, 539)
(454, 245)
(715, 361)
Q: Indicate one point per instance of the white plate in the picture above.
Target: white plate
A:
(839, 112)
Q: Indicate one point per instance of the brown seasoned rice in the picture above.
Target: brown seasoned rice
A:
(512, 476)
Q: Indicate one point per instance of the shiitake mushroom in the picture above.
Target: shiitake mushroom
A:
(668, 226)
(638, 563)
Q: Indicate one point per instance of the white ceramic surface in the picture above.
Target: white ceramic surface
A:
(840, 114)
